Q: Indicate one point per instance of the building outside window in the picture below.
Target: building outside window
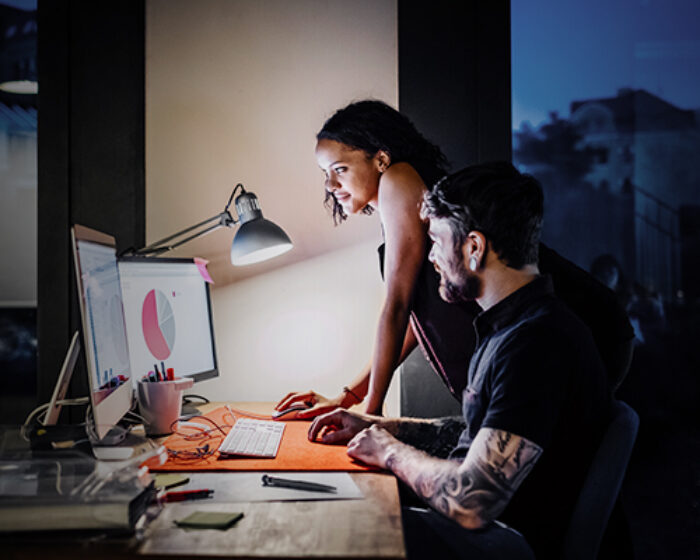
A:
(606, 114)
(18, 207)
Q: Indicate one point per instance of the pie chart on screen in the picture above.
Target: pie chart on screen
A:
(158, 324)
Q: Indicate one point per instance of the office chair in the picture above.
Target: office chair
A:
(601, 486)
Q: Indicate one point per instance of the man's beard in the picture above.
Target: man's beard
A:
(466, 287)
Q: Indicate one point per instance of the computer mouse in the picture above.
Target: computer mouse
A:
(287, 412)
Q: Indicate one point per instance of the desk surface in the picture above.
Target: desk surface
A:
(367, 528)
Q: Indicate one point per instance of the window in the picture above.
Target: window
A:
(606, 114)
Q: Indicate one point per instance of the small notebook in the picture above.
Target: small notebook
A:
(209, 520)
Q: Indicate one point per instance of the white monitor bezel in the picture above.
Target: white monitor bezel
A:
(114, 406)
(201, 375)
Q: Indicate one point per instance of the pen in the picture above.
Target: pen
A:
(185, 495)
(297, 484)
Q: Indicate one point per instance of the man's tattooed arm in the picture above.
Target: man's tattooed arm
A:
(478, 490)
(437, 437)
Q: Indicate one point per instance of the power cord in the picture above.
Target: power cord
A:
(24, 430)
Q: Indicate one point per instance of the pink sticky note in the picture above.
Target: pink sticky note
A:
(202, 267)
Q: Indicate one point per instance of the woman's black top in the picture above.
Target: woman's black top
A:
(446, 333)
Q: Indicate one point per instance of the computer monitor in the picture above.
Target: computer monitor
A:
(168, 317)
(104, 330)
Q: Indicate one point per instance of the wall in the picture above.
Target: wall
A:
(308, 325)
(235, 92)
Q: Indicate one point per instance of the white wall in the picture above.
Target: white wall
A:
(308, 325)
(235, 92)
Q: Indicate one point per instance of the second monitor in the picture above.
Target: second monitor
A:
(168, 317)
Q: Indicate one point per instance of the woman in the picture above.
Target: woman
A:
(375, 159)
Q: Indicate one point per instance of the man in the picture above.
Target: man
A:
(536, 402)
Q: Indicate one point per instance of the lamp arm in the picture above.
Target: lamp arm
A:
(223, 220)
(233, 193)
(163, 246)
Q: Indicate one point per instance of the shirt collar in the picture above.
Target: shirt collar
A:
(511, 307)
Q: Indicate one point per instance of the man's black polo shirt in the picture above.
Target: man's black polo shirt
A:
(536, 373)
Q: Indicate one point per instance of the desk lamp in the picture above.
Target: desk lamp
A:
(256, 240)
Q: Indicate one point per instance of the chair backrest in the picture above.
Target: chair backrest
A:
(423, 393)
(602, 485)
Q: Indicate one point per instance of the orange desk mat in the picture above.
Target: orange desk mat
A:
(296, 452)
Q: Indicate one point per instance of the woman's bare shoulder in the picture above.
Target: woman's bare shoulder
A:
(401, 182)
(402, 172)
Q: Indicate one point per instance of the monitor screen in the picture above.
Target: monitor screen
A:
(104, 332)
(168, 317)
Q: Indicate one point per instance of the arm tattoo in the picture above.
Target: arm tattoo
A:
(436, 437)
(477, 491)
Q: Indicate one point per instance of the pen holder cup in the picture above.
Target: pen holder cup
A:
(160, 403)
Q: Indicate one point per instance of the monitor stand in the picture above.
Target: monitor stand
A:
(64, 377)
(52, 436)
(189, 408)
(48, 435)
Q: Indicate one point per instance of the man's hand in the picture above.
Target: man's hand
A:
(339, 426)
(373, 446)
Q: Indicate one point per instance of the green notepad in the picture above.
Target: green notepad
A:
(170, 480)
(209, 520)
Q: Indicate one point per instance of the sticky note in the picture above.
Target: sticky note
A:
(170, 480)
(202, 267)
(209, 520)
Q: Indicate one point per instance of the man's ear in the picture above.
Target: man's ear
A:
(473, 250)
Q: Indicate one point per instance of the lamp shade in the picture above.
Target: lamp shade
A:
(258, 240)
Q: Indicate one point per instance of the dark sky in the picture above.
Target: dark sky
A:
(28, 5)
(567, 50)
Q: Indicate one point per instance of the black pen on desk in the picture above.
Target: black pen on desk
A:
(297, 484)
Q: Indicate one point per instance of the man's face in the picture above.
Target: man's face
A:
(456, 282)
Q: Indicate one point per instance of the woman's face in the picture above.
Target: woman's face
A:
(352, 176)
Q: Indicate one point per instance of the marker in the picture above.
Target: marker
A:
(171, 374)
(186, 495)
(297, 484)
(162, 371)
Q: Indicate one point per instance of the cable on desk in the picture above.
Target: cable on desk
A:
(216, 432)
(249, 414)
(190, 399)
(32, 416)
(192, 455)
(181, 427)
(200, 433)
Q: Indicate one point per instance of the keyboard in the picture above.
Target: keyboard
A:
(253, 438)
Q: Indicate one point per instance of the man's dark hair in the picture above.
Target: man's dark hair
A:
(495, 199)
(372, 125)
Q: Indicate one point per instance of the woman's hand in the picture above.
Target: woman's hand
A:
(317, 403)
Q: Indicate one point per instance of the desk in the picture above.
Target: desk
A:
(367, 528)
